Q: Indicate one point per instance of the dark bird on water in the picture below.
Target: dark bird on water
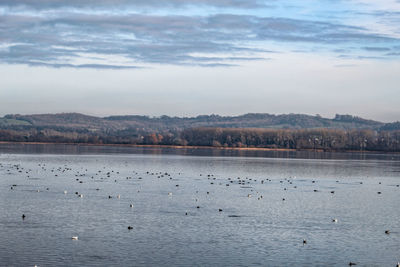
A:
(23, 216)
(130, 227)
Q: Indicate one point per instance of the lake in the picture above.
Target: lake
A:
(196, 207)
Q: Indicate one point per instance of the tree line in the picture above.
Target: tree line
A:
(321, 139)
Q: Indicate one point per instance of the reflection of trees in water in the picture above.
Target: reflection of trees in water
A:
(197, 151)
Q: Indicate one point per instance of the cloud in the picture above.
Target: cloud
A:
(378, 49)
(62, 38)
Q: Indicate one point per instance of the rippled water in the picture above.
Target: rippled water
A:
(169, 229)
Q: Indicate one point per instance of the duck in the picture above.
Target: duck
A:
(74, 238)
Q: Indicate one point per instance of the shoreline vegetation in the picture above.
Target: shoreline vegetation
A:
(292, 132)
(325, 142)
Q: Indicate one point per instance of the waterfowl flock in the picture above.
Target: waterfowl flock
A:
(204, 189)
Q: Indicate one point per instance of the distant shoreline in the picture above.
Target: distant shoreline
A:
(204, 147)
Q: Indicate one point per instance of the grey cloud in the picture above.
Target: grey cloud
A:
(58, 40)
(377, 49)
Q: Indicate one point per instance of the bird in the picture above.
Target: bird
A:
(387, 232)
(219, 210)
(23, 216)
(131, 205)
(304, 241)
(130, 227)
(335, 220)
(352, 263)
(74, 238)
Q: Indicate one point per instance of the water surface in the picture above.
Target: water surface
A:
(270, 202)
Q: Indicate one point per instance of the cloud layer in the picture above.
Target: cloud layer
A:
(73, 34)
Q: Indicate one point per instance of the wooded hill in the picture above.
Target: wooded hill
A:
(296, 131)
(135, 122)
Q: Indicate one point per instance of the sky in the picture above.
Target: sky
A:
(192, 57)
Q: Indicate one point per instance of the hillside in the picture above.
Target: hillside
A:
(80, 122)
(287, 131)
